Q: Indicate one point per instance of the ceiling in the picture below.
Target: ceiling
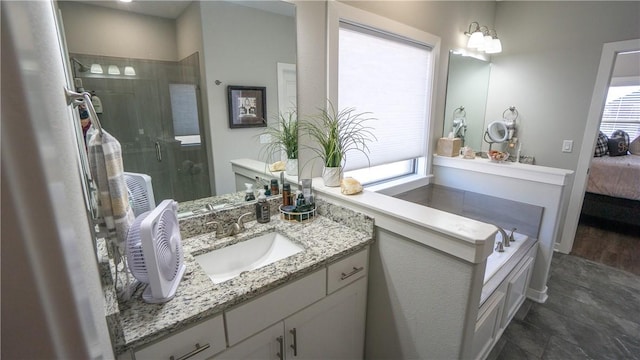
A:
(173, 9)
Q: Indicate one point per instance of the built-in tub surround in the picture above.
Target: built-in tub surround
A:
(497, 259)
(136, 323)
(528, 184)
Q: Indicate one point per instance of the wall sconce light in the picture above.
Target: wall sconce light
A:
(113, 70)
(96, 69)
(482, 39)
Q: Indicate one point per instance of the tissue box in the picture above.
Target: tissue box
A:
(449, 147)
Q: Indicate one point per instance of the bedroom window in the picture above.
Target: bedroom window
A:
(389, 76)
(622, 111)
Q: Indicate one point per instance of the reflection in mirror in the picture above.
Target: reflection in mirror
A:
(157, 68)
(467, 86)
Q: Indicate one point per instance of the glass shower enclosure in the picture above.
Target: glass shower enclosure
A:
(154, 109)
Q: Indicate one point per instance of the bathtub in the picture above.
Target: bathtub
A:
(500, 264)
(496, 260)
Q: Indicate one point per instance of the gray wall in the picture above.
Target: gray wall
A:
(241, 47)
(551, 53)
(98, 30)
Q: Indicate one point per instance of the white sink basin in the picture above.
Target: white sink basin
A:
(228, 262)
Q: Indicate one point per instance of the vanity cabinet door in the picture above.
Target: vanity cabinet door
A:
(487, 326)
(332, 328)
(267, 344)
(516, 293)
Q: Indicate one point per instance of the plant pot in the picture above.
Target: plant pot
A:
(292, 167)
(332, 176)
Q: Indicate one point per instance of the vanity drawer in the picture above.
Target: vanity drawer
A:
(208, 335)
(347, 270)
(255, 315)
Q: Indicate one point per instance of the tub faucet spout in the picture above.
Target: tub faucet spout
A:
(505, 237)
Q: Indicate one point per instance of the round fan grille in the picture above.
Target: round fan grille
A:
(135, 256)
(168, 250)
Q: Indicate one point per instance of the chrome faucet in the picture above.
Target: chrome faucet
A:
(238, 226)
(234, 229)
(500, 245)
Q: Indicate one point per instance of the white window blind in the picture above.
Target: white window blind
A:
(390, 77)
(622, 111)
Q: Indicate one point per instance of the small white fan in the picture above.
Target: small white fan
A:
(154, 252)
(140, 192)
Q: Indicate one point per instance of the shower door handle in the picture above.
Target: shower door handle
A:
(158, 152)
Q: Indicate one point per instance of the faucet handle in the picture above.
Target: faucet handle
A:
(499, 246)
(218, 226)
(511, 235)
(241, 221)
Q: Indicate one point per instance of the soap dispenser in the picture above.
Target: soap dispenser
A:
(248, 193)
(263, 214)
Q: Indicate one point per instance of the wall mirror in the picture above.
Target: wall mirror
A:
(467, 86)
(160, 70)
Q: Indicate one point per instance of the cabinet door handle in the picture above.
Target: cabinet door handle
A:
(280, 354)
(158, 152)
(351, 273)
(197, 350)
(294, 346)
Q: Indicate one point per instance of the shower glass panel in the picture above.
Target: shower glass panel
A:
(154, 109)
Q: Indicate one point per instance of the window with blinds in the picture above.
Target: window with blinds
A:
(388, 76)
(622, 111)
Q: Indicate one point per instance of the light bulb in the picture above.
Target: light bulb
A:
(496, 47)
(475, 40)
(96, 69)
(113, 70)
(129, 71)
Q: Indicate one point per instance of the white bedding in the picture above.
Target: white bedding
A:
(617, 176)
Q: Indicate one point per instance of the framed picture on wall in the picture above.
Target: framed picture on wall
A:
(247, 106)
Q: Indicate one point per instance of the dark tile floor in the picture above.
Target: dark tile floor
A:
(593, 312)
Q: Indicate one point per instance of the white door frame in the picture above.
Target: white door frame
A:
(603, 79)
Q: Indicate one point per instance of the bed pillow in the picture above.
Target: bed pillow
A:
(602, 147)
(618, 143)
(634, 146)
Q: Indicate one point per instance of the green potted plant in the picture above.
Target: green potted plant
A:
(283, 139)
(336, 132)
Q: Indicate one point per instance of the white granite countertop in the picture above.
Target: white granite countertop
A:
(197, 297)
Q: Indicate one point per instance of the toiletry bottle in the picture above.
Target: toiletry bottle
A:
(248, 193)
(286, 194)
(267, 192)
(299, 198)
(274, 187)
(263, 214)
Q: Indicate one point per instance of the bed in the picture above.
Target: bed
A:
(613, 189)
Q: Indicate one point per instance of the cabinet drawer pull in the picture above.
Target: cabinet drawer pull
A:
(280, 354)
(294, 346)
(197, 350)
(353, 272)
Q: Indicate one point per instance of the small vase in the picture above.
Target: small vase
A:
(292, 167)
(332, 176)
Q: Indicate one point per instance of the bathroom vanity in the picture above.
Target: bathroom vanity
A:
(434, 289)
(306, 304)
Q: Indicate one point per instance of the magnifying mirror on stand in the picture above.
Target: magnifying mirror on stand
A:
(497, 132)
